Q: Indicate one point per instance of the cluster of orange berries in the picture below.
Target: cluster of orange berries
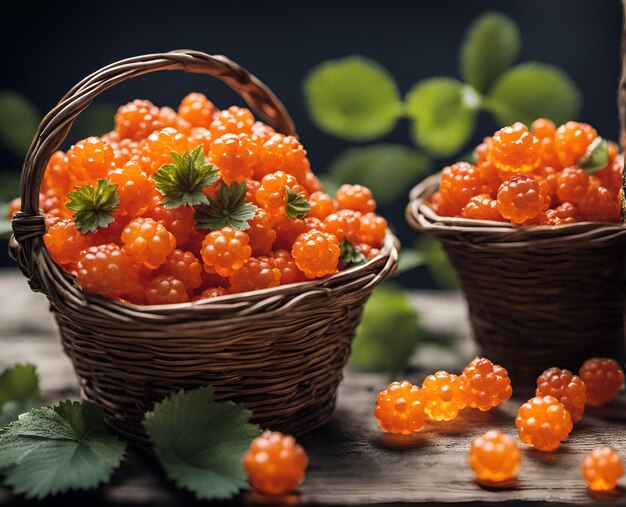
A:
(542, 176)
(542, 422)
(154, 223)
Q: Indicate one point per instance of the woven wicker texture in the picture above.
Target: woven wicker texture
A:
(280, 351)
(538, 296)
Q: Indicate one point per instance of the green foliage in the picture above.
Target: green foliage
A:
(597, 156)
(229, 209)
(350, 254)
(93, 206)
(491, 45)
(49, 451)
(436, 259)
(532, 90)
(96, 120)
(200, 442)
(387, 169)
(409, 259)
(444, 112)
(19, 119)
(19, 392)
(296, 205)
(182, 181)
(354, 98)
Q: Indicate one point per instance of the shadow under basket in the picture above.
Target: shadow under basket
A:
(538, 296)
(278, 351)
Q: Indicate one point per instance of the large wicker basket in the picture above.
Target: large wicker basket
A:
(279, 351)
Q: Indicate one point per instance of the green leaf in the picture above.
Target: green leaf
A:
(436, 259)
(18, 121)
(400, 165)
(93, 206)
(182, 182)
(353, 98)
(229, 209)
(11, 410)
(597, 156)
(350, 254)
(491, 46)
(443, 111)
(296, 205)
(200, 442)
(389, 332)
(96, 120)
(534, 90)
(19, 383)
(409, 259)
(49, 451)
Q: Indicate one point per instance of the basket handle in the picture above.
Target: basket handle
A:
(28, 224)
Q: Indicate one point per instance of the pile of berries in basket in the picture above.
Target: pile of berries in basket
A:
(173, 206)
(542, 176)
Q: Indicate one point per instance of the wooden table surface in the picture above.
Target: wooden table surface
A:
(351, 461)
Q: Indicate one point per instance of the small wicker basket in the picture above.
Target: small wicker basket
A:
(279, 351)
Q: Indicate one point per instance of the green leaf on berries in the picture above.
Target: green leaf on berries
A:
(93, 205)
(353, 98)
(228, 209)
(182, 181)
(200, 442)
(54, 450)
(597, 156)
(350, 254)
(296, 205)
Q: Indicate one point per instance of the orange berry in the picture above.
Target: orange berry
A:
(543, 127)
(316, 253)
(522, 198)
(488, 384)
(443, 395)
(211, 292)
(65, 242)
(494, 457)
(275, 463)
(321, 204)
(611, 176)
(367, 250)
(287, 231)
(602, 469)
(312, 183)
(234, 155)
(459, 183)
(179, 221)
(89, 160)
(282, 153)
(225, 251)
(549, 156)
(165, 290)
(137, 120)
(256, 273)
(572, 184)
(482, 207)
(261, 131)
(480, 152)
(551, 177)
(271, 194)
(569, 389)
(197, 110)
(234, 120)
(356, 198)
(57, 177)
(159, 145)
(261, 233)
(344, 224)
(134, 188)
(543, 422)
(603, 377)
(372, 229)
(251, 187)
(571, 141)
(106, 270)
(515, 149)
(185, 267)
(147, 242)
(399, 408)
(289, 272)
(599, 204)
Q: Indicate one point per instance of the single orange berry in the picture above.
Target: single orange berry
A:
(225, 251)
(134, 188)
(494, 456)
(166, 290)
(89, 160)
(372, 229)
(515, 149)
(185, 267)
(179, 221)
(599, 204)
(569, 389)
(604, 379)
(65, 242)
(57, 177)
(159, 145)
(322, 205)
(443, 395)
(282, 153)
(356, 198)
(571, 141)
(522, 198)
(543, 127)
(543, 422)
(285, 263)
(488, 384)
(482, 207)
(137, 120)
(261, 233)
(200, 136)
(346, 224)
(234, 155)
(272, 193)
(197, 110)
(399, 408)
(106, 270)
(602, 469)
(147, 242)
(458, 184)
(316, 253)
(234, 120)
(256, 273)
(572, 184)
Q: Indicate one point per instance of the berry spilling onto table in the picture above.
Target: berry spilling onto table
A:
(176, 206)
(539, 176)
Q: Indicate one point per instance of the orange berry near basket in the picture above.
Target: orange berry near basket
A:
(356, 198)
(234, 120)
(148, 242)
(158, 147)
(569, 389)
(285, 263)
(604, 379)
(491, 176)
(234, 155)
(515, 149)
(57, 177)
(488, 384)
(200, 136)
(272, 193)
(211, 292)
(225, 251)
(459, 183)
(283, 153)
(316, 253)
(599, 204)
(137, 120)
(261, 233)
(399, 408)
(367, 250)
(184, 266)
(165, 290)
(550, 175)
(89, 160)
(572, 184)
(571, 141)
(287, 231)
(480, 152)
(482, 207)
(568, 213)
(611, 176)
(372, 229)
(443, 395)
(197, 110)
(275, 463)
(321, 204)
(543, 127)
(134, 188)
(521, 198)
(494, 457)
(261, 132)
(312, 183)
(343, 224)
(65, 242)
(256, 273)
(179, 221)
(106, 270)
(549, 156)
(602, 468)
(543, 422)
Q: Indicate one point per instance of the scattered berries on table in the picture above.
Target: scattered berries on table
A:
(569, 389)
(602, 468)
(603, 377)
(494, 457)
(399, 408)
(275, 463)
(487, 384)
(316, 253)
(444, 395)
(543, 422)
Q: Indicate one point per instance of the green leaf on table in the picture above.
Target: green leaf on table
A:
(49, 451)
(228, 209)
(353, 98)
(19, 120)
(200, 442)
(19, 383)
(296, 204)
(96, 120)
(93, 206)
(439, 265)
(389, 332)
(409, 259)
(386, 169)
(534, 90)
(597, 156)
(491, 46)
(443, 111)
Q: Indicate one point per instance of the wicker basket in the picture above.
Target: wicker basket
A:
(279, 351)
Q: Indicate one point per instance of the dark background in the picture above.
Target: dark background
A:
(47, 47)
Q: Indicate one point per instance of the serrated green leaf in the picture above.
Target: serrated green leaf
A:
(439, 265)
(182, 182)
(597, 156)
(401, 166)
(93, 206)
(350, 254)
(443, 111)
(228, 209)
(200, 442)
(491, 46)
(19, 383)
(353, 98)
(18, 121)
(11, 410)
(296, 205)
(409, 259)
(534, 90)
(389, 332)
(43, 454)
